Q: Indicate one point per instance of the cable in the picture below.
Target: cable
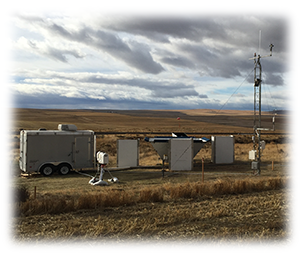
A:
(235, 91)
(231, 95)
(274, 103)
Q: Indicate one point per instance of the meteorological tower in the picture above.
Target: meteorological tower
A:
(258, 145)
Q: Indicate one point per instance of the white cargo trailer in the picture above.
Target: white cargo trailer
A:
(62, 150)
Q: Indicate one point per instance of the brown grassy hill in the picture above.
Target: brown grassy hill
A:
(145, 120)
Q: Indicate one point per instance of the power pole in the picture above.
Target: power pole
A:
(258, 145)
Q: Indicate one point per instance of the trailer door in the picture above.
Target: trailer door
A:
(82, 152)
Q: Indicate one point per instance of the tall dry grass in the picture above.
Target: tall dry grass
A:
(151, 195)
(224, 187)
(114, 198)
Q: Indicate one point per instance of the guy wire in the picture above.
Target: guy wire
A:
(232, 95)
(235, 91)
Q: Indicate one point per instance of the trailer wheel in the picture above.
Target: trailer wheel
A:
(47, 170)
(64, 169)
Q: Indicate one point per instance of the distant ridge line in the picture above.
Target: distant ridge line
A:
(169, 133)
(188, 133)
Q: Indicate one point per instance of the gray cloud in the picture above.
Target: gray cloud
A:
(159, 89)
(53, 101)
(179, 61)
(273, 79)
(177, 90)
(61, 55)
(230, 34)
(241, 31)
(211, 63)
(161, 28)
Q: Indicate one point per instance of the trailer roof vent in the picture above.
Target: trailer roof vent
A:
(67, 127)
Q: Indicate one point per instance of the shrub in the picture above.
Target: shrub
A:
(21, 194)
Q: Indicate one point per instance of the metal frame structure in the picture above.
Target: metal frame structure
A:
(257, 143)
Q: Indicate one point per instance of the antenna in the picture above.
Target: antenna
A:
(258, 145)
(259, 42)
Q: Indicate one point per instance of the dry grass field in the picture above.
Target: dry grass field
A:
(231, 203)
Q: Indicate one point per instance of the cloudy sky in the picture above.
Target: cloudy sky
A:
(95, 60)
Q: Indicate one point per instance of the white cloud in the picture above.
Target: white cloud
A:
(49, 49)
(239, 95)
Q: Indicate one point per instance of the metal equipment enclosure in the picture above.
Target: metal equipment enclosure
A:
(181, 154)
(222, 149)
(162, 143)
(59, 150)
(127, 153)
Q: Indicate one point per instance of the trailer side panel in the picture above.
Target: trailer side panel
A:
(55, 147)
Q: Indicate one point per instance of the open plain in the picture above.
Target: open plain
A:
(230, 204)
